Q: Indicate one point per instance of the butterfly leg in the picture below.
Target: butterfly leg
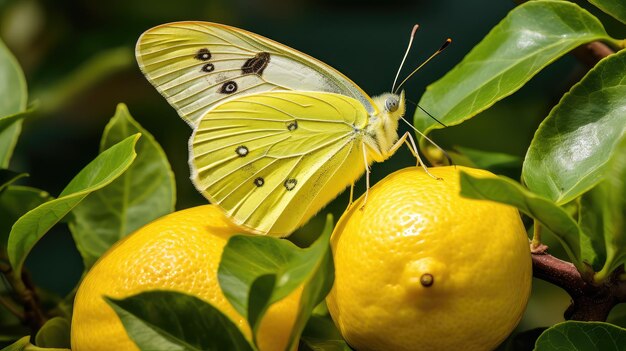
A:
(408, 140)
(351, 196)
(367, 176)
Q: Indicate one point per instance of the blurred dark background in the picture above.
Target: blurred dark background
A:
(79, 62)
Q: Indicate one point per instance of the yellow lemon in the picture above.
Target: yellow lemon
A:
(421, 268)
(180, 251)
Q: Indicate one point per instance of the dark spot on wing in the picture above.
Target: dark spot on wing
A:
(291, 126)
(228, 87)
(208, 67)
(241, 151)
(259, 182)
(203, 54)
(290, 183)
(257, 64)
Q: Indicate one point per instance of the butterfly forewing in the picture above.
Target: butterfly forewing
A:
(272, 160)
(197, 65)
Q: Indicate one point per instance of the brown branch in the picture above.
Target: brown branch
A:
(590, 54)
(590, 302)
(33, 314)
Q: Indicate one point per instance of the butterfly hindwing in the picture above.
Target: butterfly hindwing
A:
(197, 65)
(272, 160)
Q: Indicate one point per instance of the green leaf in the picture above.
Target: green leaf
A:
(170, 321)
(13, 99)
(18, 345)
(13, 91)
(582, 336)
(146, 191)
(55, 333)
(573, 144)
(8, 177)
(15, 201)
(603, 213)
(320, 334)
(615, 8)
(529, 38)
(97, 174)
(507, 191)
(257, 271)
(10, 129)
(24, 344)
(489, 159)
(593, 214)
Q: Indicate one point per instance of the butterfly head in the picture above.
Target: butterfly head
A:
(391, 105)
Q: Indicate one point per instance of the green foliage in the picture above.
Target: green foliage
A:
(603, 214)
(321, 334)
(257, 271)
(577, 153)
(582, 336)
(7, 177)
(10, 127)
(570, 150)
(574, 185)
(615, 8)
(55, 333)
(532, 36)
(142, 193)
(100, 172)
(146, 191)
(170, 321)
(24, 344)
(13, 99)
(504, 190)
(15, 201)
(493, 161)
(19, 345)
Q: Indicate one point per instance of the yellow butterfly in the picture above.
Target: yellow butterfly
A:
(277, 134)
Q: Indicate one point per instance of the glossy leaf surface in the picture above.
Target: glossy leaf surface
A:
(257, 271)
(553, 217)
(529, 38)
(615, 8)
(603, 214)
(98, 173)
(13, 100)
(145, 192)
(582, 336)
(573, 144)
(171, 321)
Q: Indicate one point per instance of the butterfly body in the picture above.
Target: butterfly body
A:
(277, 134)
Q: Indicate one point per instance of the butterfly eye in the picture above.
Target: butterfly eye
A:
(391, 104)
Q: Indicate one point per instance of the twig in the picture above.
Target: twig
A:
(590, 302)
(10, 306)
(590, 54)
(536, 241)
(33, 314)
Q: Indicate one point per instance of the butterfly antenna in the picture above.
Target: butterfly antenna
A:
(445, 45)
(408, 48)
(445, 153)
(426, 112)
